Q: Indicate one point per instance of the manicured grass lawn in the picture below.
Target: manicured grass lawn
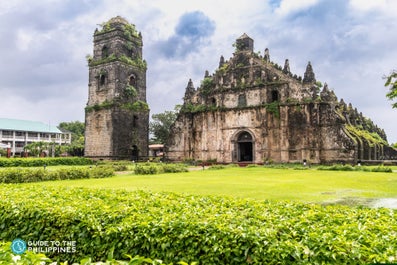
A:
(256, 183)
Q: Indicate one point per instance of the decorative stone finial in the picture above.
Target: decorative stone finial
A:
(286, 69)
(221, 61)
(342, 103)
(309, 74)
(190, 90)
(267, 55)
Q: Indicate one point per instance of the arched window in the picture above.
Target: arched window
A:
(211, 102)
(105, 52)
(275, 96)
(244, 137)
(132, 81)
(102, 79)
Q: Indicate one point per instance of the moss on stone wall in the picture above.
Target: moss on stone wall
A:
(273, 108)
(104, 105)
(139, 63)
(137, 106)
(371, 137)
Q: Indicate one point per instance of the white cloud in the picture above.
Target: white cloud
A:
(24, 39)
(385, 7)
(288, 7)
(44, 72)
(367, 5)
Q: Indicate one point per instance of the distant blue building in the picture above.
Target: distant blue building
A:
(18, 133)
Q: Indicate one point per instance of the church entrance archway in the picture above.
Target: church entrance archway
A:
(245, 147)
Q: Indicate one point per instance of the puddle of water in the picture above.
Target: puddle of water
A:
(390, 203)
(350, 201)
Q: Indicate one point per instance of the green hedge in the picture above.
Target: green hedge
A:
(48, 161)
(357, 168)
(210, 230)
(23, 175)
(158, 168)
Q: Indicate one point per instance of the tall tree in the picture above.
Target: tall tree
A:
(75, 127)
(160, 125)
(391, 82)
(76, 148)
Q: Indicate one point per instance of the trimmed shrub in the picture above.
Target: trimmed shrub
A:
(48, 161)
(146, 169)
(210, 230)
(382, 169)
(173, 168)
(217, 167)
(158, 168)
(358, 168)
(119, 167)
(24, 175)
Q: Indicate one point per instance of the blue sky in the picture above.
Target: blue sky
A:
(43, 45)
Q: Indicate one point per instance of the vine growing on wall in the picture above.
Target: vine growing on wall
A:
(137, 106)
(138, 62)
(99, 106)
(206, 86)
(273, 108)
(130, 91)
(130, 31)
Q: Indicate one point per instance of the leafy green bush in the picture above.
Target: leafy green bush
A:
(210, 230)
(341, 168)
(23, 175)
(146, 169)
(382, 169)
(39, 162)
(173, 168)
(119, 167)
(358, 168)
(216, 167)
(158, 168)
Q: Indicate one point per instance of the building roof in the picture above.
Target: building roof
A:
(118, 20)
(244, 36)
(27, 126)
(4, 146)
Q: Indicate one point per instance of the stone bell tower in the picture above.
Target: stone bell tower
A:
(117, 115)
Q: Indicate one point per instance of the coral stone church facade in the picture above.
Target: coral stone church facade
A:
(252, 110)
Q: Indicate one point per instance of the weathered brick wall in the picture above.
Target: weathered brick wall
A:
(115, 127)
(98, 142)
